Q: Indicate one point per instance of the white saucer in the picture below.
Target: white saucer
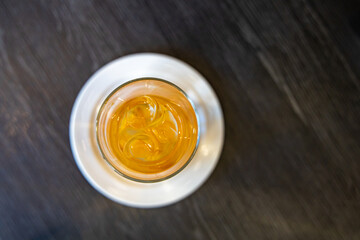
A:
(83, 140)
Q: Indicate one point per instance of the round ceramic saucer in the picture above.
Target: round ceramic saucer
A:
(87, 154)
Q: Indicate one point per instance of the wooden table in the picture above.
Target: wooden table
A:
(287, 75)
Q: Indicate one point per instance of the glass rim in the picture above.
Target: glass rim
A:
(97, 130)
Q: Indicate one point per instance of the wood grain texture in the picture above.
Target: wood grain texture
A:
(288, 78)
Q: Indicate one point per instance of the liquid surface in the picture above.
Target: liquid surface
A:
(150, 134)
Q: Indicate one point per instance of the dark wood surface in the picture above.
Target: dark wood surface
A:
(287, 74)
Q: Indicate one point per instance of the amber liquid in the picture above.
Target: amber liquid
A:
(151, 134)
